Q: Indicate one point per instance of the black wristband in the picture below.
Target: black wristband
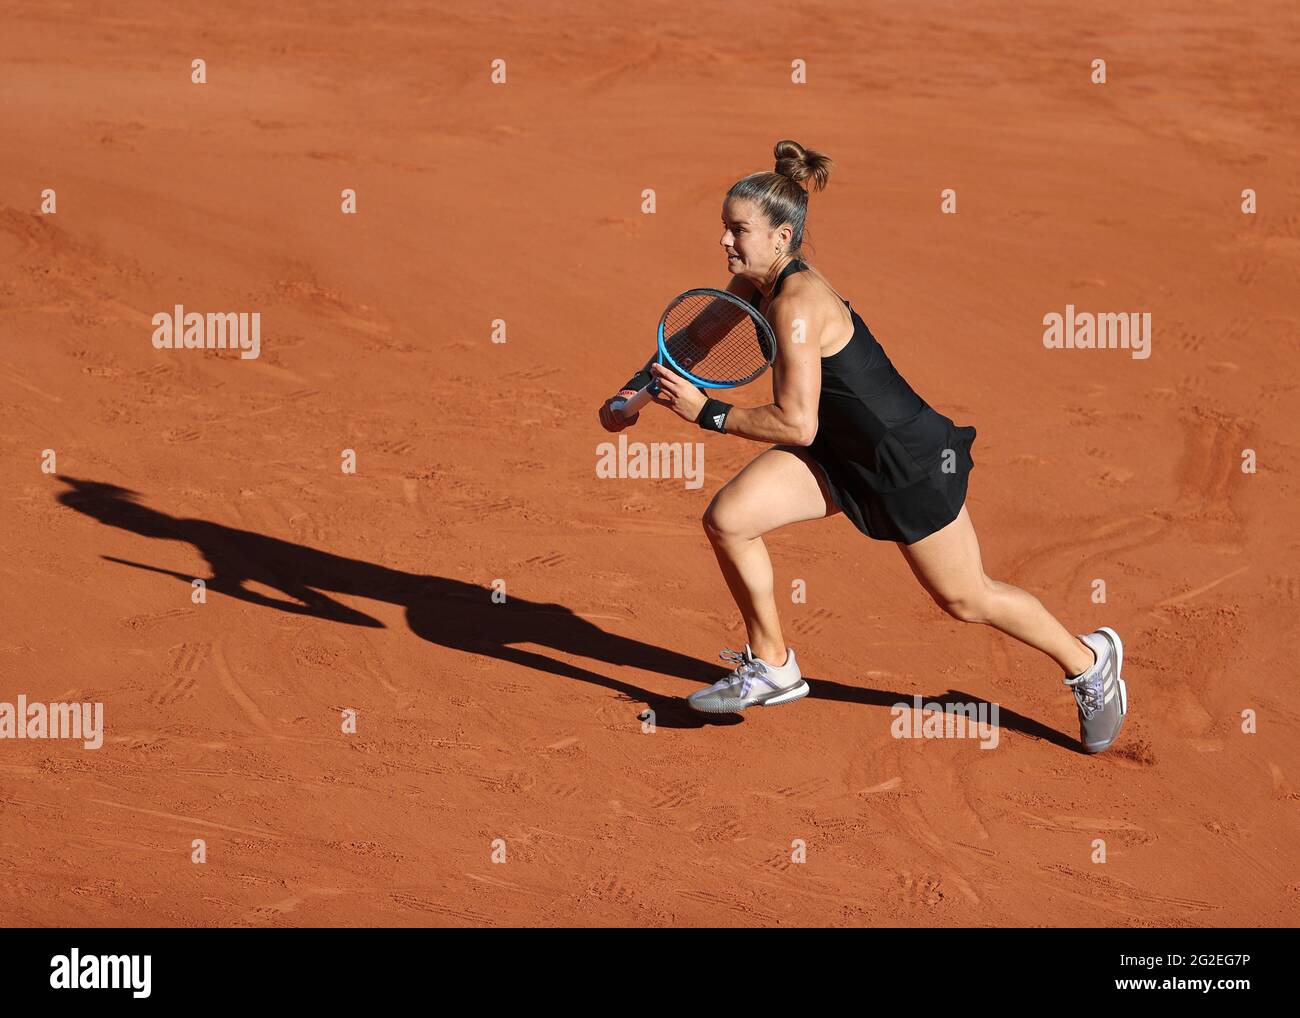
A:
(713, 417)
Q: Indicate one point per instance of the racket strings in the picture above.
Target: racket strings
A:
(716, 339)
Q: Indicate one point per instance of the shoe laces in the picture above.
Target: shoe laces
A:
(1087, 690)
(747, 670)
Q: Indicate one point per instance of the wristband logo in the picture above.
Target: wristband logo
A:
(713, 415)
(657, 460)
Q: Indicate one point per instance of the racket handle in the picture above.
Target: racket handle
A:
(633, 404)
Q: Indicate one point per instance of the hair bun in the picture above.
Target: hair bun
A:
(802, 165)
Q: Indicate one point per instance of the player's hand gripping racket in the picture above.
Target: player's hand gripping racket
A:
(711, 338)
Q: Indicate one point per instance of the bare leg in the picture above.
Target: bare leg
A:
(778, 487)
(948, 565)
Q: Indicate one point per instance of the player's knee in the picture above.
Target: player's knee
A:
(966, 607)
(721, 520)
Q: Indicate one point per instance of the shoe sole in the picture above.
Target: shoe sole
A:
(796, 692)
(789, 696)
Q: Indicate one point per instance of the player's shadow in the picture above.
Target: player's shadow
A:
(448, 612)
(1007, 720)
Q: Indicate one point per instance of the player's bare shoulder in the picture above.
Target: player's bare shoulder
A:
(810, 290)
(810, 310)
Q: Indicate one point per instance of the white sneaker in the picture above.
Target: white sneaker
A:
(1100, 693)
(754, 683)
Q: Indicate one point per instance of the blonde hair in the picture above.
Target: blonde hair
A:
(782, 193)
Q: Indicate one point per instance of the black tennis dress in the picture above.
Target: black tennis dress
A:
(881, 446)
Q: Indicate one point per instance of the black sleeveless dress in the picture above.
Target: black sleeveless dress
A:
(897, 468)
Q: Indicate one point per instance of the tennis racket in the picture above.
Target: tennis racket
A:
(711, 338)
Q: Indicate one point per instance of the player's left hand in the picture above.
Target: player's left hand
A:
(677, 394)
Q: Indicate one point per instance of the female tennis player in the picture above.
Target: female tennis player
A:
(848, 435)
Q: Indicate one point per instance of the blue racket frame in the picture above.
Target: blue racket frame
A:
(634, 403)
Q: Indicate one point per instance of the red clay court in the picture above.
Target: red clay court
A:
(517, 724)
